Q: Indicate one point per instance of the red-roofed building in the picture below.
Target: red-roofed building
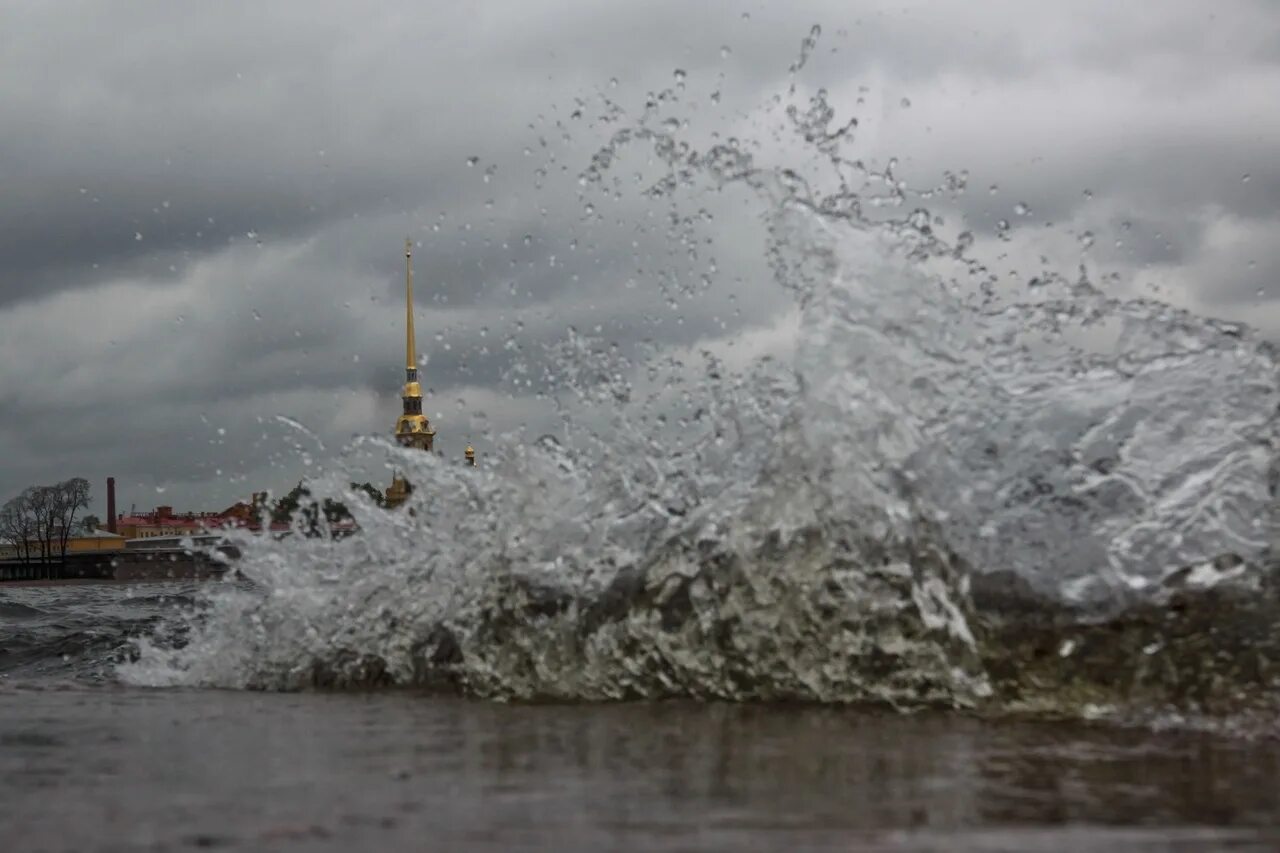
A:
(163, 521)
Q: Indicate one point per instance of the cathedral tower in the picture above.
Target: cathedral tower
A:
(413, 429)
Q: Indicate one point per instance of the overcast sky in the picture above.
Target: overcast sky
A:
(202, 206)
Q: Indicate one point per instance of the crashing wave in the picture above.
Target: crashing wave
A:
(1103, 471)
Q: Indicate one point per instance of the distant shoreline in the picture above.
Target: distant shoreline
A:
(5, 584)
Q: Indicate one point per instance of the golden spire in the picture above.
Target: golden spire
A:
(412, 428)
(410, 345)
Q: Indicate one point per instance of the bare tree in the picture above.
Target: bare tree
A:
(42, 519)
(15, 527)
(19, 524)
(26, 524)
(40, 504)
(68, 498)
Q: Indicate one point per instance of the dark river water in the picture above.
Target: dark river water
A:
(90, 764)
(126, 769)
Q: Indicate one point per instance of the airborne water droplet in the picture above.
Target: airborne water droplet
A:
(1086, 239)
(1022, 209)
(137, 235)
(905, 103)
(1244, 179)
(725, 51)
(471, 161)
(993, 189)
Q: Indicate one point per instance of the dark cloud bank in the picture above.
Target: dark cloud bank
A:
(202, 207)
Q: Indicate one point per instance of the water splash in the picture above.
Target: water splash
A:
(815, 532)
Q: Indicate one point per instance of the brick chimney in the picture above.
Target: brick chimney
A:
(111, 504)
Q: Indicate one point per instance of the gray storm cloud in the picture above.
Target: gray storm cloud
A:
(202, 206)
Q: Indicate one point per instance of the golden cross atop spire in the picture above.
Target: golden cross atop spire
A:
(410, 344)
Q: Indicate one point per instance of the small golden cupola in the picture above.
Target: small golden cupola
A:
(470, 455)
(413, 429)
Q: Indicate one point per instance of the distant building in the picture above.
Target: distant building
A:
(162, 521)
(247, 513)
(79, 543)
(98, 540)
(413, 428)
